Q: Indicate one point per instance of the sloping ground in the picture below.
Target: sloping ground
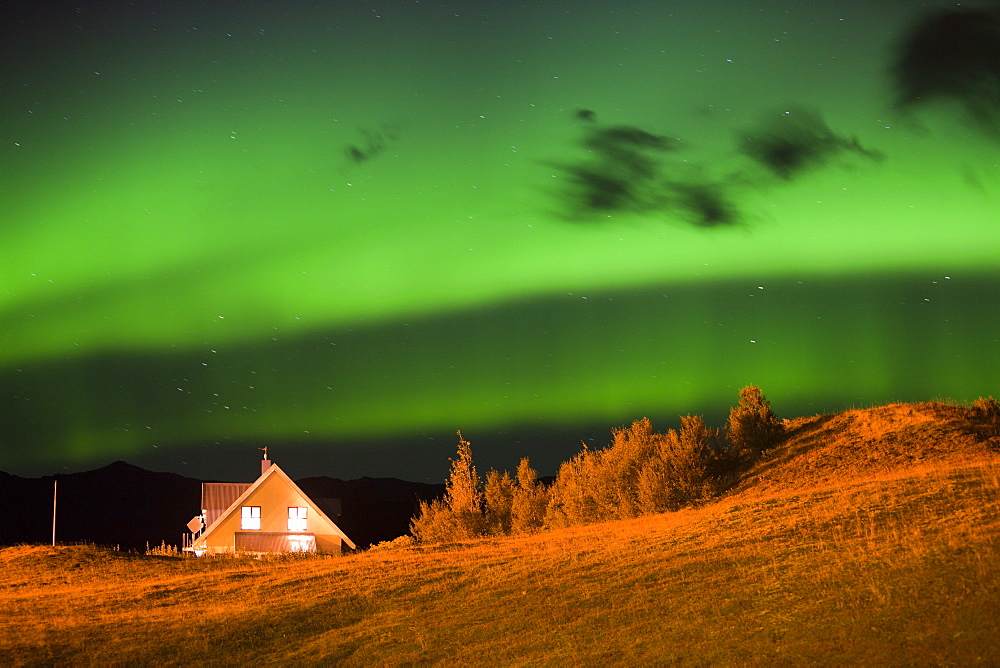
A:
(885, 560)
(884, 441)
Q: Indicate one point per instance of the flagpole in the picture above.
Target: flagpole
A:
(54, 483)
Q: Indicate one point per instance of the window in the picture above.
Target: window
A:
(297, 518)
(250, 517)
(301, 543)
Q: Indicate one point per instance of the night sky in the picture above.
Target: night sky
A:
(348, 229)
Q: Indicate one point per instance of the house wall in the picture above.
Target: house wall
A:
(329, 544)
(274, 498)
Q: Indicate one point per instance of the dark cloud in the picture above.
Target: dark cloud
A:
(796, 141)
(952, 55)
(705, 204)
(629, 171)
(622, 174)
(600, 189)
(373, 143)
(626, 142)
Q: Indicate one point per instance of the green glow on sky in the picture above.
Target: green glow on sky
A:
(189, 253)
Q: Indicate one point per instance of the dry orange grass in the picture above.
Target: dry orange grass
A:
(893, 565)
(883, 441)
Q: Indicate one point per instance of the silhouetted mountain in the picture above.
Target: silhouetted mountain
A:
(124, 505)
(118, 504)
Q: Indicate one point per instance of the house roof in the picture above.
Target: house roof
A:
(216, 497)
(274, 470)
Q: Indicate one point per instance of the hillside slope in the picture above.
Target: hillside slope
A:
(817, 557)
(833, 450)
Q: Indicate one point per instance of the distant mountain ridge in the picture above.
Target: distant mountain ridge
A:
(129, 507)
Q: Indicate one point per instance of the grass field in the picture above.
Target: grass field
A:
(870, 537)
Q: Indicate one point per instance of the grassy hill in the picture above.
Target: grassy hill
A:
(871, 536)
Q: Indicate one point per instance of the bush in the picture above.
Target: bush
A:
(459, 516)
(434, 523)
(677, 473)
(753, 427)
(527, 507)
(569, 500)
(614, 471)
(498, 498)
(399, 543)
(987, 415)
(640, 472)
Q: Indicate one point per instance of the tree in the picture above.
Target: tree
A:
(433, 522)
(753, 427)
(618, 467)
(599, 485)
(498, 496)
(461, 492)
(570, 501)
(459, 515)
(528, 502)
(690, 453)
(677, 471)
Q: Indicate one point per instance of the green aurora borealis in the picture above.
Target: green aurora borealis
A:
(192, 255)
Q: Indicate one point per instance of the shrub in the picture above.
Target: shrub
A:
(498, 497)
(569, 500)
(459, 515)
(640, 472)
(688, 455)
(398, 543)
(677, 471)
(433, 523)
(987, 415)
(619, 466)
(527, 508)
(753, 427)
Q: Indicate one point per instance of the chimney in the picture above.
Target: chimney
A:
(265, 463)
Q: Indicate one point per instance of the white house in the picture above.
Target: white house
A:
(269, 515)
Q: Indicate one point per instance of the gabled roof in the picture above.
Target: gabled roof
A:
(275, 470)
(216, 497)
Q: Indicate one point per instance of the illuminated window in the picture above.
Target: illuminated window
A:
(297, 518)
(250, 517)
(301, 543)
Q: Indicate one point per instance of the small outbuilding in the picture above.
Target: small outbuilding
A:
(270, 515)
